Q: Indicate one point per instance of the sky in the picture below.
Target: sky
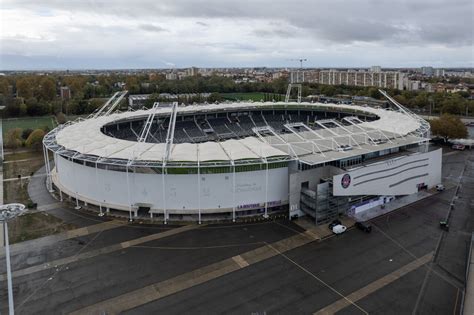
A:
(106, 34)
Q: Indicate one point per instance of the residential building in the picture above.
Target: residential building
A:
(428, 71)
(385, 79)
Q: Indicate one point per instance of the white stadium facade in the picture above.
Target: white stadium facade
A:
(232, 160)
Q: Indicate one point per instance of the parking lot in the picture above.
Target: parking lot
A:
(406, 265)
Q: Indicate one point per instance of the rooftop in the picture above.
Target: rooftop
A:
(392, 129)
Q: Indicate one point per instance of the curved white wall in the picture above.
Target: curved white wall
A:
(106, 187)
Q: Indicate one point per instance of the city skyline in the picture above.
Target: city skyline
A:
(99, 35)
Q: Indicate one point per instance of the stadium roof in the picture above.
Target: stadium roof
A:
(85, 137)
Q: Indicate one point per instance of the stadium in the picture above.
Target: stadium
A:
(233, 160)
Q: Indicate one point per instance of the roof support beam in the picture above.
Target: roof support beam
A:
(109, 101)
(425, 129)
(110, 105)
(170, 133)
(355, 121)
(149, 122)
(291, 127)
(333, 142)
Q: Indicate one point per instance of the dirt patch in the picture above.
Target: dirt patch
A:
(16, 191)
(30, 225)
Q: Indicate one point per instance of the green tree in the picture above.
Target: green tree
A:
(448, 127)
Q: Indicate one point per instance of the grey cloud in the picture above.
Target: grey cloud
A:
(273, 33)
(152, 28)
(333, 32)
(337, 21)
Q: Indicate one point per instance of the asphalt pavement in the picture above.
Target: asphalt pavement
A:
(406, 265)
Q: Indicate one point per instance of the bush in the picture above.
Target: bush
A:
(26, 133)
(35, 139)
(13, 138)
(61, 118)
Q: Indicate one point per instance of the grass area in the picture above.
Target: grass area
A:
(254, 96)
(22, 155)
(35, 225)
(28, 122)
(17, 166)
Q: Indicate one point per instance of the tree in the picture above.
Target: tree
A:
(35, 108)
(13, 138)
(35, 139)
(48, 89)
(448, 127)
(61, 118)
(24, 87)
(14, 109)
(4, 87)
(214, 97)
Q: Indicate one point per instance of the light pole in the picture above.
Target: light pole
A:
(9, 212)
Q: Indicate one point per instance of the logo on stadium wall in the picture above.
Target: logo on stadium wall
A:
(345, 181)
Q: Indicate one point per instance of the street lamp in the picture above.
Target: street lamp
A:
(9, 212)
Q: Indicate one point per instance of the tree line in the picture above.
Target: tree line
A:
(36, 95)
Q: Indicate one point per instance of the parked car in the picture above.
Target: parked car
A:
(367, 228)
(339, 229)
(336, 227)
(458, 146)
(440, 187)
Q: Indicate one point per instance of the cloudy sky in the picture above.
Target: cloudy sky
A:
(78, 34)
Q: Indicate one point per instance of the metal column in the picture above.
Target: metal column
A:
(128, 192)
(233, 193)
(9, 271)
(164, 192)
(266, 191)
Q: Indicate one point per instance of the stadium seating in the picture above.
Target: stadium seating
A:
(213, 129)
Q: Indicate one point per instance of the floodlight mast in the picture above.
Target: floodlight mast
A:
(295, 83)
(9, 212)
(300, 60)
